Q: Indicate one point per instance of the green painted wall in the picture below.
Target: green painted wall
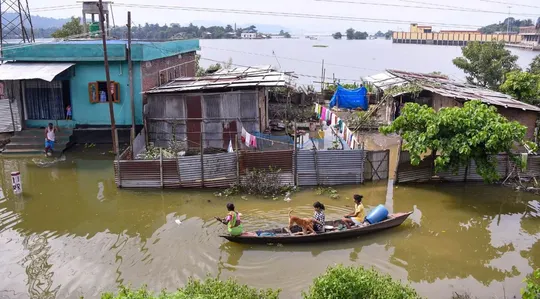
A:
(86, 113)
(65, 52)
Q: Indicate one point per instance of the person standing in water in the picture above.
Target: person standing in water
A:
(50, 137)
(233, 222)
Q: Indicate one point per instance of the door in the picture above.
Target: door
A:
(193, 124)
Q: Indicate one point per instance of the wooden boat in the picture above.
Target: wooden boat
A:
(283, 236)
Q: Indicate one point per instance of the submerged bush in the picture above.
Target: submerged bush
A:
(532, 289)
(265, 182)
(211, 288)
(357, 282)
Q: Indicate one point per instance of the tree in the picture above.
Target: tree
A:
(350, 33)
(379, 34)
(360, 35)
(287, 35)
(475, 132)
(522, 85)
(337, 35)
(389, 34)
(71, 28)
(486, 64)
(229, 28)
(534, 67)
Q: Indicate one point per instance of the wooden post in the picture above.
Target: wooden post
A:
(161, 167)
(131, 87)
(295, 151)
(202, 154)
(107, 76)
(466, 172)
(397, 162)
(237, 157)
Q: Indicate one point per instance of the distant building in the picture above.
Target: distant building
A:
(530, 37)
(426, 36)
(249, 34)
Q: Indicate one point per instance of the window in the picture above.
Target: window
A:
(97, 92)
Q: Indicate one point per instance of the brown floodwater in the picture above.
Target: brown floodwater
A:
(73, 233)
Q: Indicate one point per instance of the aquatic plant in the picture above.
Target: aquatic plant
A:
(331, 192)
(264, 182)
(196, 289)
(357, 282)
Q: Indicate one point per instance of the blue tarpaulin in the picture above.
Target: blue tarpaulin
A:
(350, 99)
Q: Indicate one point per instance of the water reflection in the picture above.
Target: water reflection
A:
(471, 237)
(38, 269)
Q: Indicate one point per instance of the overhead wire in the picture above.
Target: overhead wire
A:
(289, 15)
(511, 3)
(446, 8)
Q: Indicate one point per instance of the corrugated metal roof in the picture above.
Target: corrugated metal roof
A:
(448, 88)
(32, 70)
(246, 77)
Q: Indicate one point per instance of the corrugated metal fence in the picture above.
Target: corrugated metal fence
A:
(310, 168)
(330, 167)
(426, 170)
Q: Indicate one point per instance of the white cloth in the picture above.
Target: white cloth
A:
(230, 149)
(51, 135)
(248, 139)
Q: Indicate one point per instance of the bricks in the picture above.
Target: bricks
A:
(150, 69)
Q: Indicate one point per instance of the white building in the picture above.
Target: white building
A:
(249, 34)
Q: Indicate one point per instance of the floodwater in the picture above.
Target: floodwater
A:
(72, 233)
(346, 60)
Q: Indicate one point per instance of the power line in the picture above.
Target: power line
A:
(452, 8)
(58, 7)
(291, 15)
(510, 3)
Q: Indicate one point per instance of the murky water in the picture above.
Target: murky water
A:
(73, 233)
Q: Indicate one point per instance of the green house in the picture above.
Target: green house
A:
(39, 81)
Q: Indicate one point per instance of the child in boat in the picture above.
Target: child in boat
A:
(358, 216)
(233, 222)
(319, 217)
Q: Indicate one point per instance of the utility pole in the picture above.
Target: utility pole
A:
(131, 91)
(509, 20)
(108, 77)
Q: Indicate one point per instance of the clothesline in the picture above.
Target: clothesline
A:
(342, 130)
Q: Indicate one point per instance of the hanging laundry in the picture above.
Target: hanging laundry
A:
(230, 148)
(243, 135)
(253, 142)
(317, 108)
(248, 139)
(323, 113)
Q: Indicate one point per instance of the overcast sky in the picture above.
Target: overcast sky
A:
(353, 8)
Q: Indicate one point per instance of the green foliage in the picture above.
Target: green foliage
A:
(486, 64)
(503, 26)
(476, 132)
(534, 67)
(284, 34)
(353, 34)
(437, 73)
(522, 85)
(337, 35)
(264, 182)
(389, 34)
(210, 288)
(412, 89)
(71, 28)
(357, 282)
(350, 33)
(211, 68)
(331, 192)
(532, 288)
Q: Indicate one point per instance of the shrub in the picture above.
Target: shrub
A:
(357, 282)
(532, 289)
(265, 182)
(211, 288)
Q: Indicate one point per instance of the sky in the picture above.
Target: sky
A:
(442, 12)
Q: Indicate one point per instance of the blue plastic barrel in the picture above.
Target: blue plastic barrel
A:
(377, 215)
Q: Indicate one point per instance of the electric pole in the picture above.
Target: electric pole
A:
(130, 68)
(108, 76)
